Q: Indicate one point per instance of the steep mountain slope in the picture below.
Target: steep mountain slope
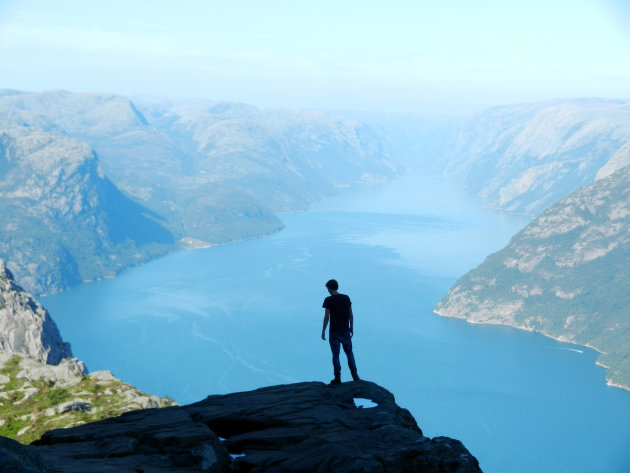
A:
(523, 158)
(567, 275)
(62, 221)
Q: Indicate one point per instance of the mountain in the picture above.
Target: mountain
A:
(63, 222)
(41, 386)
(239, 166)
(87, 176)
(566, 274)
(289, 428)
(523, 158)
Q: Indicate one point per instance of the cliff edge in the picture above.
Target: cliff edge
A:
(352, 427)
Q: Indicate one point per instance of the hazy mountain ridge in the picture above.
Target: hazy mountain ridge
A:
(269, 160)
(523, 158)
(199, 173)
(566, 275)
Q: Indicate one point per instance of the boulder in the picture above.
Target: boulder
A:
(67, 373)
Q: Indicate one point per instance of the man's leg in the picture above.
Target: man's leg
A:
(335, 347)
(346, 341)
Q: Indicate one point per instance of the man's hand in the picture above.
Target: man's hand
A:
(324, 335)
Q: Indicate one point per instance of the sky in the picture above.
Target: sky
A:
(448, 56)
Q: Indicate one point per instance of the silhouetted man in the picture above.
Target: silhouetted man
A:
(339, 313)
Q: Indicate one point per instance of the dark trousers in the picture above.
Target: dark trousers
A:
(337, 340)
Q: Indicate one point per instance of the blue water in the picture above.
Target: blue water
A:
(248, 314)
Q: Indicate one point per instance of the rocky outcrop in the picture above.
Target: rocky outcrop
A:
(565, 275)
(35, 397)
(290, 428)
(26, 328)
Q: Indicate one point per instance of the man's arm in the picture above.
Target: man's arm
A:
(351, 321)
(326, 318)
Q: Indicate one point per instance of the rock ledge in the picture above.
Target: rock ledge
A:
(304, 427)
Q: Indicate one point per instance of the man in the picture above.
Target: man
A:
(339, 313)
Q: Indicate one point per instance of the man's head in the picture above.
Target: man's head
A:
(332, 285)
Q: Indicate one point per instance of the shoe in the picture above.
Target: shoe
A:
(336, 380)
(355, 376)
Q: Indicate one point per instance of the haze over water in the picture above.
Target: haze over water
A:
(248, 314)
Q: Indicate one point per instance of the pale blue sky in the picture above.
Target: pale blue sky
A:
(414, 56)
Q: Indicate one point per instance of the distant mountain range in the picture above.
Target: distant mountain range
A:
(93, 183)
(523, 158)
(567, 275)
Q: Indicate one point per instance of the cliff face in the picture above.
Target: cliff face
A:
(26, 328)
(566, 275)
(62, 220)
(292, 428)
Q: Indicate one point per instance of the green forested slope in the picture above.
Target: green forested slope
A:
(567, 275)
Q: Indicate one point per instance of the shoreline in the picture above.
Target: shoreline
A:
(609, 382)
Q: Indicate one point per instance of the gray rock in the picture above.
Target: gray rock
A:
(103, 375)
(67, 373)
(26, 328)
(290, 428)
(76, 405)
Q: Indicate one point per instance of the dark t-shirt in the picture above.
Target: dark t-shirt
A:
(339, 305)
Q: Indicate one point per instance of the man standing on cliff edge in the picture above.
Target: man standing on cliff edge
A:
(339, 313)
